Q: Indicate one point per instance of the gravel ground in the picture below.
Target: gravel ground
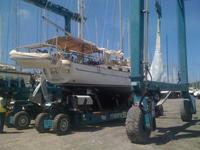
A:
(171, 133)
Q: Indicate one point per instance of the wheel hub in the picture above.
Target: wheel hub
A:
(64, 125)
(23, 121)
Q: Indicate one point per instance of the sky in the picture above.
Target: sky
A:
(21, 23)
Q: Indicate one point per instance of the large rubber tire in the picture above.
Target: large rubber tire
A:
(61, 124)
(39, 122)
(185, 110)
(21, 120)
(135, 129)
(159, 111)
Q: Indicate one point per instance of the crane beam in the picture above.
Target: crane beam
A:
(57, 9)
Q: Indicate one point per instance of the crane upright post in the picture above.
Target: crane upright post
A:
(182, 47)
(141, 116)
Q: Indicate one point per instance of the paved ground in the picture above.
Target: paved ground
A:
(171, 134)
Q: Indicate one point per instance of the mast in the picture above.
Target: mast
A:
(96, 29)
(167, 55)
(81, 6)
(121, 26)
(159, 15)
(1, 37)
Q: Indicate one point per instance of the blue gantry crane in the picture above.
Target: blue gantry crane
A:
(57, 9)
(140, 120)
(140, 117)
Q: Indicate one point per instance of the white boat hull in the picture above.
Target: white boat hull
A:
(67, 72)
(84, 74)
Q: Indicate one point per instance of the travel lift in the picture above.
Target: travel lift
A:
(140, 119)
(76, 108)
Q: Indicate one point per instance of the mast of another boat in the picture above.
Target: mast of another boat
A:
(81, 7)
(1, 38)
(167, 55)
(121, 26)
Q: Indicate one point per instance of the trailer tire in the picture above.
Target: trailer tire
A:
(135, 126)
(61, 124)
(21, 120)
(185, 110)
(39, 122)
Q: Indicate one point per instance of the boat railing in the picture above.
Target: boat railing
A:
(80, 58)
(94, 59)
(88, 59)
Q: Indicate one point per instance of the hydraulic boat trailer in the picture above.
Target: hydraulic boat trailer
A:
(75, 109)
(140, 119)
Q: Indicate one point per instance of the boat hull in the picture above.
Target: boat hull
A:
(84, 74)
(74, 74)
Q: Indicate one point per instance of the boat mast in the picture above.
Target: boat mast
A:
(159, 15)
(81, 5)
(121, 26)
(167, 55)
(1, 38)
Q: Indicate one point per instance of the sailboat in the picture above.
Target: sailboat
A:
(72, 61)
(65, 63)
